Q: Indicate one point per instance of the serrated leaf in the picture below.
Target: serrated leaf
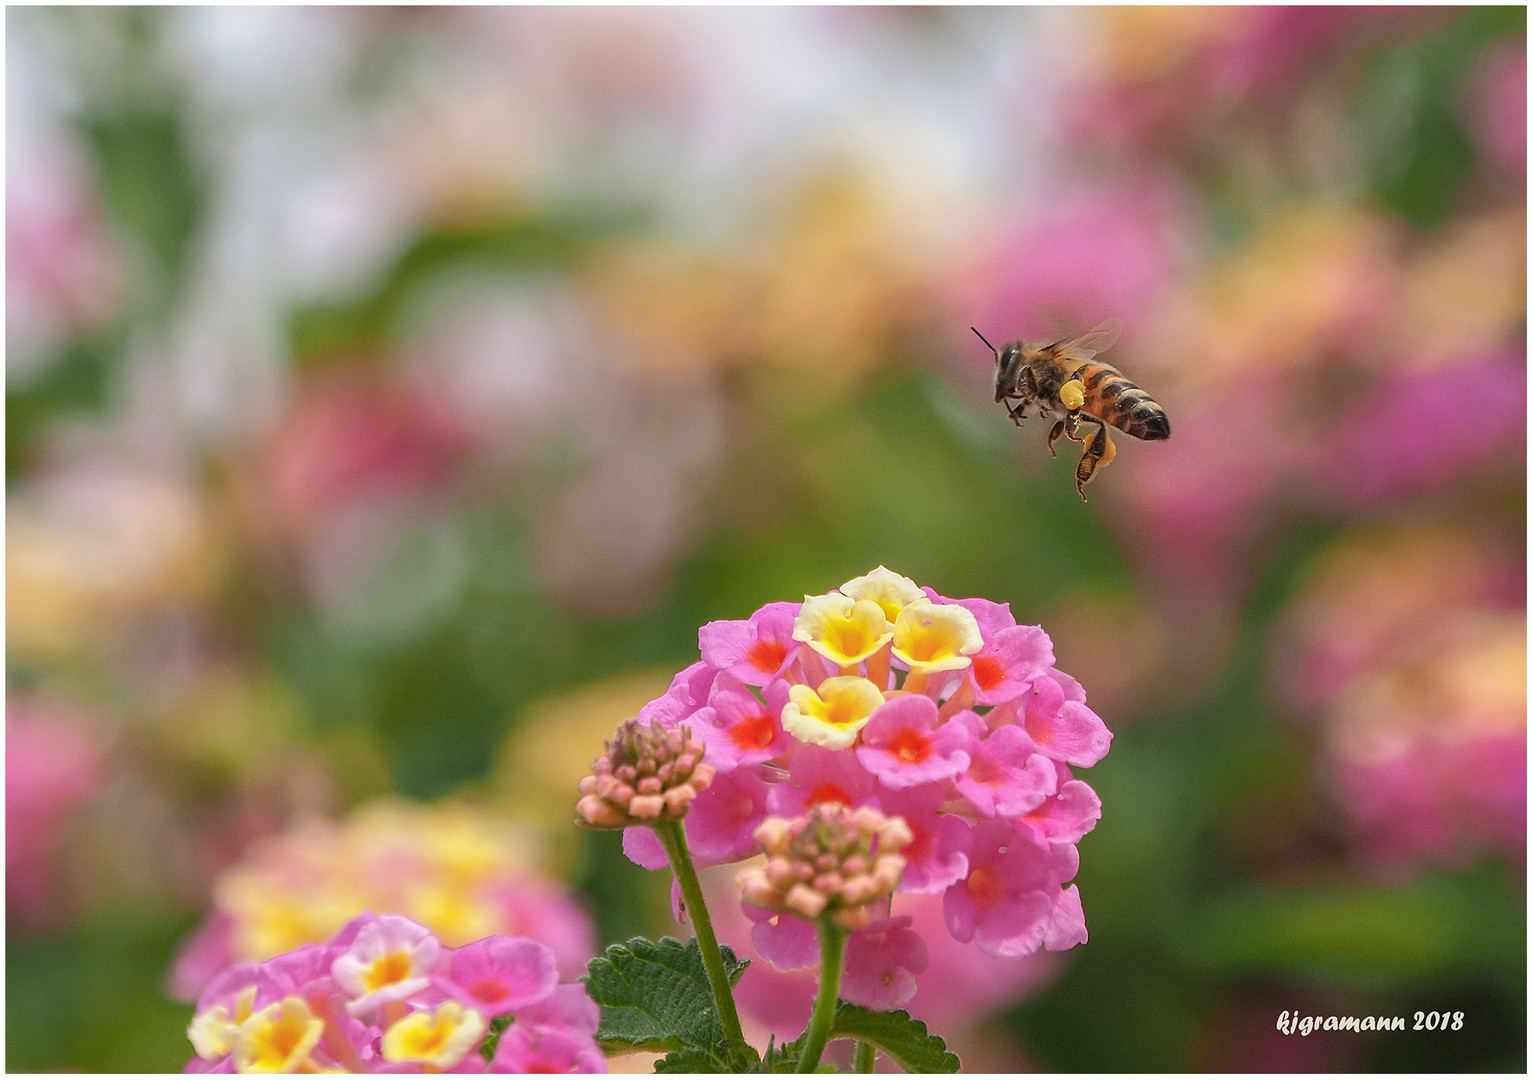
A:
(690, 1061)
(654, 996)
(897, 1033)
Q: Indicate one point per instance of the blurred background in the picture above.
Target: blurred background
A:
(392, 393)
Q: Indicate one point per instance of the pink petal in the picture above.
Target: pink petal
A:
(643, 847)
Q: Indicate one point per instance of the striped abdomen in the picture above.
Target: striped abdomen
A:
(1111, 397)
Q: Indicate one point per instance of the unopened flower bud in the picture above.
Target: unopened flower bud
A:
(819, 864)
(647, 776)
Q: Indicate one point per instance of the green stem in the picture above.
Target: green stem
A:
(675, 842)
(832, 954)
(865, 1055)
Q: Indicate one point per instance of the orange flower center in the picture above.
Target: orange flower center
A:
(985, 887)
(911, 747)
(754, 732)
(988, 672)
(488, 989)
(828, 792)
(388, 970)
(767, 656)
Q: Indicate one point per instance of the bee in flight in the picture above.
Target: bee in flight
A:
(1063, 377)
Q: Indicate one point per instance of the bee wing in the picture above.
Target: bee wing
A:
(1096, 340)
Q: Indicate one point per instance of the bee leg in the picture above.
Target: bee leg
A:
(1017, 413)
(1099, 450)
(1054, 433)
(1072, 424)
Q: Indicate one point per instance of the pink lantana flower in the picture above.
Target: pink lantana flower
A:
(644, 848)
(1005, 778)
(498, 975)
(754, 650)
(1065, 816)
(882, 962)
(819, 775)
(886, 696)
(1009, 662)
(527, 1049)
(1006, 903)
(936, 856)
(569, 1005)
(1063, 728)
(903, 746)
(741, 729)
(289, 1014)
(688, 692)
(389, 960)
(785, 941)
(722, 821)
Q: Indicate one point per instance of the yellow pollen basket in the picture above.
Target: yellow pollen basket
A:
(1072, 395)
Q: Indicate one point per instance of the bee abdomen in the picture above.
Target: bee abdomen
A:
(1123, 404)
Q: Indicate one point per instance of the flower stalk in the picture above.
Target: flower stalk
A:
(675, 843)
(866, 1053)
(832, 957)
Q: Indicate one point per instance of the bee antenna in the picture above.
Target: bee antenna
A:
(987, 344)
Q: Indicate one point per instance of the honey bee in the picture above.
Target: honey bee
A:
(1062, 378)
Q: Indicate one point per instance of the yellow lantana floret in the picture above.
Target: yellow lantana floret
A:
(212, 1032)
(843, 630)
(439, 1038)
(936, 637)
(833, 715)
(278, 1038)
(885, 588)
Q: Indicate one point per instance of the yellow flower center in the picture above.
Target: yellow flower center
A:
(832, 716)
(936, 637)
(843, 630)
(278, 1038)
(387, 970)
(439, 1038)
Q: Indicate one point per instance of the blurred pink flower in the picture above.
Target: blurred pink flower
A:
(466, 874)
(882, 961)
(1416, 446)
(63, 271)
(1428, 757)
(1441, 798)
(316, 1008)
(1192, 515)
(1497, 111)
(1082, 258)
(1382, 594)
(353, 434)
(52, 764)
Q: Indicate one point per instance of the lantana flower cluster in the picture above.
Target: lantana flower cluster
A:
(465, 872)
(942, 713)
(385, 995)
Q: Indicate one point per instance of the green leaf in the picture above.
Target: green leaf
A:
(690, 1061)
(654, 996)
(897, 1033)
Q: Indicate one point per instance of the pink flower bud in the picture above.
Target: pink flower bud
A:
(648, 775)
(818, 864)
